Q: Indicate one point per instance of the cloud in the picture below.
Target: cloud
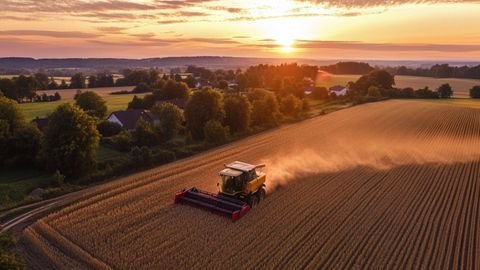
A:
(112, 29)
(54, 34)
(379, 3)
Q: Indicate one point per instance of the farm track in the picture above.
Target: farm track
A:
(392, 185)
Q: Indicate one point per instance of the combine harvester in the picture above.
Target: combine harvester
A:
(241, 187)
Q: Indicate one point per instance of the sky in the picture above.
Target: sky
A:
(314, 29)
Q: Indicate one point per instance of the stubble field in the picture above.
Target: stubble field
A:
(391, 185)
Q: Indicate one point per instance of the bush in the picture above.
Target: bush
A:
(374, 92)
(475, 92)
(58, 179)
(142, 88)
(122, 142)
(214, 132)
(108, 129)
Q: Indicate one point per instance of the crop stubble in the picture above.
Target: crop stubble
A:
(385, 185)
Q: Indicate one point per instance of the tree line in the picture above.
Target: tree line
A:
(440, 71)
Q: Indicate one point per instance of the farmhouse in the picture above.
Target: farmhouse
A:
(338, 90)
(128, 119)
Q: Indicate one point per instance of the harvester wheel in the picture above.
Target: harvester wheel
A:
(252, 201)
(261, 195)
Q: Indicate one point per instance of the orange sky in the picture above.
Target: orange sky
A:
(317, 29)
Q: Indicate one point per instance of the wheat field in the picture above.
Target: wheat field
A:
(390, 185)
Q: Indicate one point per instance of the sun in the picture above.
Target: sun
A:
(285, 33)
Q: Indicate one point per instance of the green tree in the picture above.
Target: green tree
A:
(291, 105)
(214, 132)
(25, 87)
(19, 140)
(123, 141)
(53, 84)
(136, 103)
(92, 104)
(41, 80)
(92, 81)
(7, 86)
(238, 111)
(78, 81)
(63, 85)
(171, 119)
(144, 134)
(265, 107)
(203, 106)
(475, 92)
(70, 142)
(11, 114)
(445, 91)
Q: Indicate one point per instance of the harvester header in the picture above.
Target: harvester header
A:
(241, 187)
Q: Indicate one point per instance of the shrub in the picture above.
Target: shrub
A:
(374, 92)
(108, 129)
(122, 142)
(320, 93)
(214, 132)
(58, 179)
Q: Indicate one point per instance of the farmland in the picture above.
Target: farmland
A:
(460, 86)
(390, 185)
(42, 109)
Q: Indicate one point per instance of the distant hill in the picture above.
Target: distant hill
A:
(211, 62)
(22, 64)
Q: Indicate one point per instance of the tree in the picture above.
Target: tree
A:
(63, 85)
(92, 104)
(214, 132)
(92, 81)
(25, 145)
(265, 107)
(238, 111)
(7, 86)
(142, 88)
(475, 92)
(78, 81)
(223, 84)
(19, 141)
(11, 115)
(25, 87)
(445, 91)
(291, 105)
(136, 103)
(42, 81)
(70, 142)
(53, 84)
(123, 141)
(379, 78)
(320, 93)
(203, 106)
(171, 118)
(173, 89)
(144, 134)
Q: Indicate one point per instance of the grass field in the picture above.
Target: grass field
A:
(461, 87)
(42, 109)
(16, 184)
(387, 185)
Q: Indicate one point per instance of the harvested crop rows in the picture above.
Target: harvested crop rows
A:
(392, 185)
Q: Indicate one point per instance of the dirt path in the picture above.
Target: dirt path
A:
(385, 185)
